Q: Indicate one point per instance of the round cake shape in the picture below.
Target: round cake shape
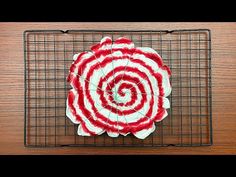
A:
(118, 88)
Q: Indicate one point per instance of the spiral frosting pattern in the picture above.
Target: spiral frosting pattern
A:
(118, 88)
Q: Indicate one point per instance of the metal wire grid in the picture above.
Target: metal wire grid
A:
(48, 56)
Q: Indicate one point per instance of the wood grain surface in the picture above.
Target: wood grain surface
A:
(12, 89)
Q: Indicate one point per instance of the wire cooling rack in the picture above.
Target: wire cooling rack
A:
(48, 56)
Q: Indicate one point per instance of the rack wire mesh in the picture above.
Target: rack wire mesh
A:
(48, 56)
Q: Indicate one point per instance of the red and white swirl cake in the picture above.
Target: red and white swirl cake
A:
(118, 88)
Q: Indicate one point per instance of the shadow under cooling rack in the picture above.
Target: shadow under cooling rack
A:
(48, 56)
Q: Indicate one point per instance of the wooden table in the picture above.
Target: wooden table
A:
(12, 88)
